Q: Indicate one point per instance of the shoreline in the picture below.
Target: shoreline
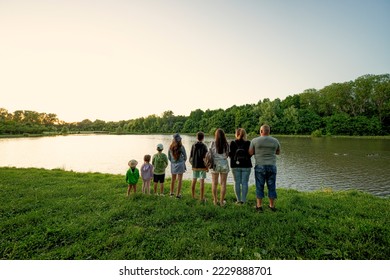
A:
(81, 133)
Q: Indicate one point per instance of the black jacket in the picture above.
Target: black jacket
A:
(198, 152)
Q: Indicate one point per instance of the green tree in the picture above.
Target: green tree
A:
(192, 124)
(85, 125)
(309, 100)
(362, 125)
(98, 125)
(150, 124)
(339, 124)
(268, 114)
(362, 92)
(168, 120)
(309, 121)
(289, 101)
(65, 130)
(290, 120)
(381, 97)
(334, 99)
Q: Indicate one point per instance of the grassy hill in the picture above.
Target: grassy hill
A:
(54, 214)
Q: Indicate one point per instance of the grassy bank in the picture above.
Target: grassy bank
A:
(53, 214)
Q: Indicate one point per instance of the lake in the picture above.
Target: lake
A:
(305, 163)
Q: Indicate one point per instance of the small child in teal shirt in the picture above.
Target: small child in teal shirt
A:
(132, 176)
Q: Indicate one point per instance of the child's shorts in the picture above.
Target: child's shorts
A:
(158, 178)
(199, 174)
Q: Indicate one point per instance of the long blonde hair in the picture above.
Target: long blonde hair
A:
(241, 134)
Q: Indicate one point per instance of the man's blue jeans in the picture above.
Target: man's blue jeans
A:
(265, 174)
(241, 178)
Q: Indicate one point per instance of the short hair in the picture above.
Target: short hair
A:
(200, 135)
(147, 158)
(266, 129)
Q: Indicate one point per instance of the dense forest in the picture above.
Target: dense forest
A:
(359, 107)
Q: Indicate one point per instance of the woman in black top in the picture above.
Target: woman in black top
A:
(241, 164)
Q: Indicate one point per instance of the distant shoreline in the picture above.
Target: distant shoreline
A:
(51, 134)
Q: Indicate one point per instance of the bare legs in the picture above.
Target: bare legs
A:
(179, 178)
(161, 188)
(131, 187)
(146, 186)
(193, 184)
(214, 185)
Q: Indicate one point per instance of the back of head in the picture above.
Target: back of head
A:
(240, 134)
(175, 146)
(200, 136)
(220, 141)
(177, 137)
(160, 147)
(147, 158)
(265, 130)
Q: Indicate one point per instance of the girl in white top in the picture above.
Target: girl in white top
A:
(220, 151)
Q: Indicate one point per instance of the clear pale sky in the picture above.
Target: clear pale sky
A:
(123, 59)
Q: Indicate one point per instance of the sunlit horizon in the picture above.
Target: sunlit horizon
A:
(121, 60)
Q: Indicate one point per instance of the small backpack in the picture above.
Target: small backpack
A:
(241, 155)
(160, 163)
(208, 159)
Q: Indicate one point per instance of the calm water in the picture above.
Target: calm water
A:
(304, 164)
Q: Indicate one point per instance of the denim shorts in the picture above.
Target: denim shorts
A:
(178, 167)
(220, 166)
(265, 174)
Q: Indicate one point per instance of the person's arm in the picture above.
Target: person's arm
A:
(232, 150)
(184, 153)
(192, 151)
(278, 149)
(251, 150)
(151, 171)
(142, 171)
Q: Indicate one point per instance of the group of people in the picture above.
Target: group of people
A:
(264, 148)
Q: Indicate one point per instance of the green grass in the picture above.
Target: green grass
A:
(54, 214)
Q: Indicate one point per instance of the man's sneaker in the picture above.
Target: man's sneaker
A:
(273, 209)
(259, 209)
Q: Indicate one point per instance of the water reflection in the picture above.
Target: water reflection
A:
(304, 164)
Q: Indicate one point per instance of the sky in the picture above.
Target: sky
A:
(123, 59)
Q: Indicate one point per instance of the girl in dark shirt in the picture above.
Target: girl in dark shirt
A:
(241, 164)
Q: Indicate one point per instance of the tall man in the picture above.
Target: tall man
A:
(265, 148)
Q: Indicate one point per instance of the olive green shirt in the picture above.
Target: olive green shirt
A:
(160, 163)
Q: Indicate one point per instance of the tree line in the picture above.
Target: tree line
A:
(359, 107)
